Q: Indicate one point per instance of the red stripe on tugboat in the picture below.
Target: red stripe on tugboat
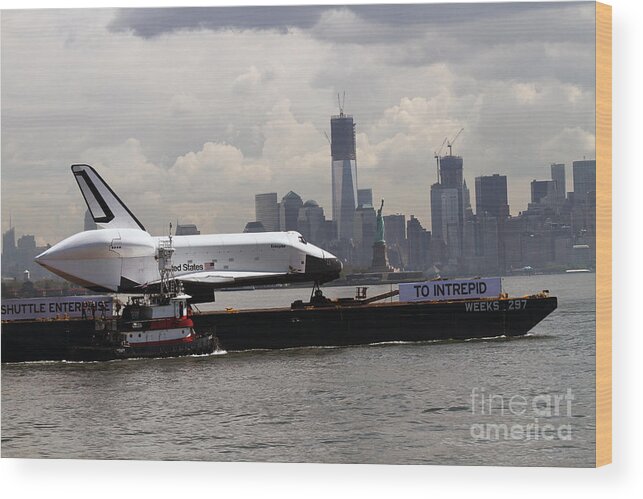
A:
(185, 339)
(170, 323)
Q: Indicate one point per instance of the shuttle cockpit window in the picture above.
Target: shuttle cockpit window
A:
(302, 240)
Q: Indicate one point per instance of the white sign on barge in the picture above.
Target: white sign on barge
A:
(56, 306)
(454, 289)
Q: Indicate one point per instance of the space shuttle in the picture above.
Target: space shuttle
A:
(121, 256)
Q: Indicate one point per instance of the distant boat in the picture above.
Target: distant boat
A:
(526, 270)
(577, 271)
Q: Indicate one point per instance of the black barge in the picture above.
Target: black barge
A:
(321, 322)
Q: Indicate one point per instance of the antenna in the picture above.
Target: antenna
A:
(340, 103)
(450, 143)
(326, 135)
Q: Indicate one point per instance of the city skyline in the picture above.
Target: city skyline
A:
(188, 132)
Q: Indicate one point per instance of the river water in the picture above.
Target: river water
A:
(525, 401)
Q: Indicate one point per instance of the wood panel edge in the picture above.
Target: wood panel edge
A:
(603, 234)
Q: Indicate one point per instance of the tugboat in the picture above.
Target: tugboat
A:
(153, 325)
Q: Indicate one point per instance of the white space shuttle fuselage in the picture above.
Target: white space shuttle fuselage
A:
(123, 257)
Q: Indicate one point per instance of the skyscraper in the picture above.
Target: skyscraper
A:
(267, 211)
(466, 200)
(364, 227)
(451, 171)
(289, 211)
(419, 240)
(9, 243)
(253, 227)
(365, 222)
(395, 229)
(344, 173)
(364, 197)
(446, 218)
(310, 222)
(543, 191)
(396, 240)
(491, 195)
(481, 246)
(584, 173)
(558, 176)
(448, 200)
(448, 206)
(9, 252)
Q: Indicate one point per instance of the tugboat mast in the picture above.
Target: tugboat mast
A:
(169, 286)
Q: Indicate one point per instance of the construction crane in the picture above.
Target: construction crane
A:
(450, 143)
(436, 155)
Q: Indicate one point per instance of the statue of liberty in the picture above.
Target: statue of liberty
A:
(380, 258)
(379, 231)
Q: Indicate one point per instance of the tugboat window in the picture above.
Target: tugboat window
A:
(302, 240)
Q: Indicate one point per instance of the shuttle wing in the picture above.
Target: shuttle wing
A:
(201, 285)
(227, 277)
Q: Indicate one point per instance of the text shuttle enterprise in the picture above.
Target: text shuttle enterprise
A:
(123, 257)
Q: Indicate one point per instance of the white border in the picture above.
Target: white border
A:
(98, 479)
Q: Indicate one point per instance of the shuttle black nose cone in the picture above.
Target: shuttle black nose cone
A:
(322, 269)
(334, 264)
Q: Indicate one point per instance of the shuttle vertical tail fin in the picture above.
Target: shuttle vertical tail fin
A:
(105, 207)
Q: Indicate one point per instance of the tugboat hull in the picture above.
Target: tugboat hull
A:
(79, 340)
(201, 345)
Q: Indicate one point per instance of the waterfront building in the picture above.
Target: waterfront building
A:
(584, 173)
(254, 227)
(311, 222)
(289, 211)
(558, 176)
(491, 195)
(543, 192)
(267, 211)
(364, 197)
(446, 220)
(419, 240)
(364, 227)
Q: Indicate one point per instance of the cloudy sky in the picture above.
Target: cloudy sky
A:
(188, 113)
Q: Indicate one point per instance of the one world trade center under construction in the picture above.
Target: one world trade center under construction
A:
(344, 173)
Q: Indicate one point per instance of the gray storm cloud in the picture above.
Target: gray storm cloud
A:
(153, 22)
